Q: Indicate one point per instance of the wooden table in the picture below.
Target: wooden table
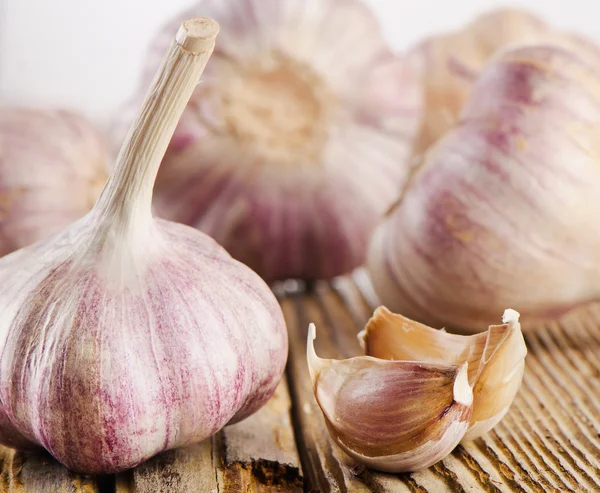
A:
(548, 442)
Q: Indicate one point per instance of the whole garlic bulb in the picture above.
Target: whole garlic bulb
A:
(53, 165)
(298, 139)
(123, 336)
(503, 211)
(449, 63)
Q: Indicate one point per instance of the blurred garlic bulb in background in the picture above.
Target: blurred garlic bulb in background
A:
(449, 63)
(53, 165)
(298, 138)
(504, 209)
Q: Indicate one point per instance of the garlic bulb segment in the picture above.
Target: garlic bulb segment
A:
(495, 358)
(503, 211)
(298, 139)
(394, 416)
(123, 336)
(449, 63)
(53, 165)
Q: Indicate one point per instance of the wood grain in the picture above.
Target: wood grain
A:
(549, 441)
(38, 472)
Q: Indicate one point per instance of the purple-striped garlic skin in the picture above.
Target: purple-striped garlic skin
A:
(53, 165)
(109, 357)
(298, 138)
(504, 210)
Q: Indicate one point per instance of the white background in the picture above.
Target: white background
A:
(86, 54)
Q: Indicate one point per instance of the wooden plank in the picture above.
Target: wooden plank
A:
(38, 472)
(326, 467)
(187, 470)
(259, 454)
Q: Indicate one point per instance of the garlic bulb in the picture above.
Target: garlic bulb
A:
(419, 391)
(53, 167)
(449, 63)
(124, 336)
(298, 139)
(503, 211)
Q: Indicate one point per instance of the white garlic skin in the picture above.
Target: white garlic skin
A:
(504, 210)
(53, 165)
(105, 370)
(298, 138)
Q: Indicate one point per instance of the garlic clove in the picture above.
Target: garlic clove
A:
(393, 416)
(496, 358)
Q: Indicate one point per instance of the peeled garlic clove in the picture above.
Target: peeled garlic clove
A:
(53, 167)
(449, 63)
(124, 336)
(393, 416)
(496, 358)
(503, 211)
(303, 106)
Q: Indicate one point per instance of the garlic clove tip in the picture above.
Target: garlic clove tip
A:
(510, 316)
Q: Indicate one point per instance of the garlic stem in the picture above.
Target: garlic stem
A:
(128, 193)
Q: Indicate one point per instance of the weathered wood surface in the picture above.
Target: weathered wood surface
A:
(548, 442)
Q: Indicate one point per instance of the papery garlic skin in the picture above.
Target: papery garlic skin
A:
(298, 139)
(53, 165)
(503, 211)
(499, 376)
(495, 358)
(449, 63)
(393, 416)
(124, 336)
